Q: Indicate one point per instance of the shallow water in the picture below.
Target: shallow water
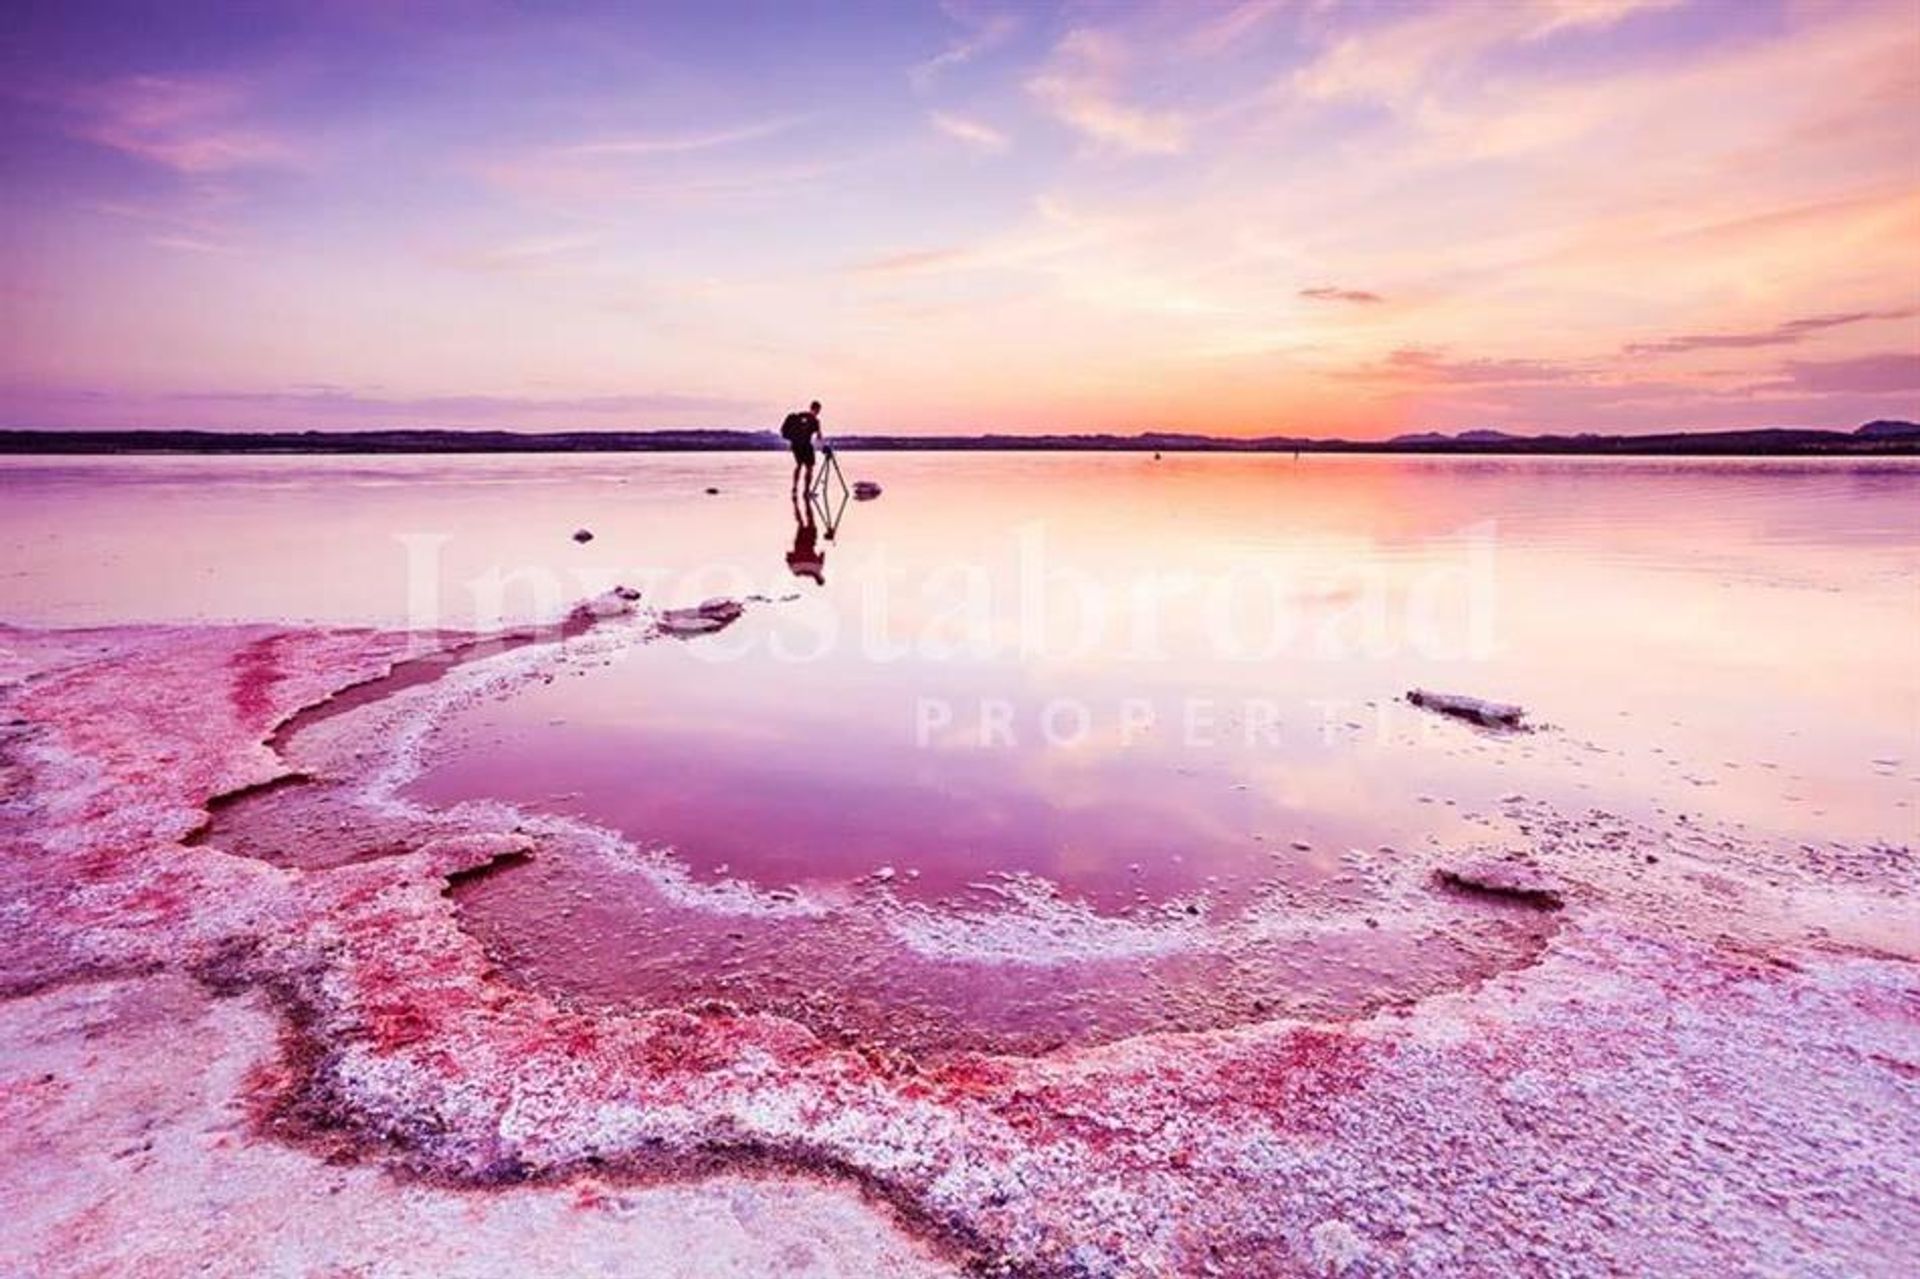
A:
(1149, 690)
(1750, 624)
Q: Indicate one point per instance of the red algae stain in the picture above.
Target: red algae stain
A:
(1294, 1080)
(973, 1075)
(256, 670)
(396, 1025)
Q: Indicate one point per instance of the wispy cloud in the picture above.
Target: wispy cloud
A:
(979, 136)
(538, 255)
(333, 400)
(1328, 293)
(197, 218)
(579, 185)
(982, 32)
(1406, 61)
(1057, 241)
(684, 142)
(1785, 334)
(1230, 25)
(192, 126)
(190, 244)
(577, 177)
(1559, 15)
(913, 261)
(1081, 87)
(1418, 364)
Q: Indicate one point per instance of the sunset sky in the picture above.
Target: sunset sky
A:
(1280, 216)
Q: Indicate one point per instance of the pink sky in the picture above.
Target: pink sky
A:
(1277, 216)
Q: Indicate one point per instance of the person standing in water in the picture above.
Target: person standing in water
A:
(800, 430)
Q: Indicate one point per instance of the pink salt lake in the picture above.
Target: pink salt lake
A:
(1136, 702)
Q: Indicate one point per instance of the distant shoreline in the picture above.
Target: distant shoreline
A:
(1883, 438)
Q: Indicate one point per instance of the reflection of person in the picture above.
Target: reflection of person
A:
(800, 430)
(806, 559)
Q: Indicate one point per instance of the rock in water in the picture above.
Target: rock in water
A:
(710, 616)
(1515, 881)
(582, 535)
(613, 603)
(865, 490)
(1490, 714)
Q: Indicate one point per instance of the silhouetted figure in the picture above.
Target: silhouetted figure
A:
(806, 559)
(799, 431)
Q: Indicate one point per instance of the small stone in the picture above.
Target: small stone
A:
(1488, 714)
(1334, 1247)
(710, 616)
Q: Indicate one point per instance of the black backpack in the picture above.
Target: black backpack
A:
(796, 428)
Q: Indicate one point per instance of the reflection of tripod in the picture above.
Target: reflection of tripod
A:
(821, 493)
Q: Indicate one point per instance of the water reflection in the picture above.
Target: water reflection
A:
(1714, 642)
(806, 559)
(1736, 636)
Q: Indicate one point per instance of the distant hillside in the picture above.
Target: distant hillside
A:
(1879, 437)
(1885, 429)
(1464, 437)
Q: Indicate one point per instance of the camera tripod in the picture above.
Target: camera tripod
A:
(821, 496)
(827, 474)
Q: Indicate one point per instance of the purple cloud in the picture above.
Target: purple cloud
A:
(190, 125)
(1328, 293)
(911, 261)
(1785, 334)
(1414, 364)
(1861, 375)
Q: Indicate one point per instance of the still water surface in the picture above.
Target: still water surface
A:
(1143, 689)
(1065, 651)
